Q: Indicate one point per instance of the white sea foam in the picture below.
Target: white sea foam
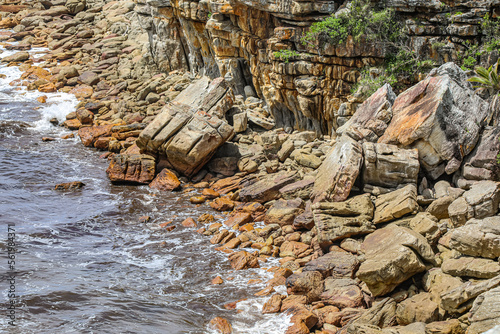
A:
(494, 330)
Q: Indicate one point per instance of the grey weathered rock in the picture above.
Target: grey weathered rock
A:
(459, 299)
(268, 187)
(336, 221)
(371, 118)
(240, 122)
(75, 6)
(466, 266)
(393, 254)
(339, 171)
(478, 238)
(300, 189)
(480, 201)
(388, 166)
(485, 312)
(187, 138)
(395, 204)
(481, 163)
(16, 57)
(441, 116)
(335, 264)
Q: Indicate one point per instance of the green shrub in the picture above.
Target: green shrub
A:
(360, 20)
(285, 55)
(487, 79)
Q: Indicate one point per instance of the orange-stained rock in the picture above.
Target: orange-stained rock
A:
(257, 210)
(238, 219)
(162, 225)
(82, 92)
(8, 23)
(47, 88)
(197, 199)
(189, 222)
(302, 315)
(292, 248)
(221, 325)
(42, 99)
(210, 193)
(231, 244)
(102, 143)
(217, 280)
(222, 204)
(265, 292)
(246, 228)
(72, 124)
(293, 301)
(166, 180)
(68, 136)
(88, 135)
(12, 8)
(139, 168)
(273, 305)
(243, 260)
(133, 150)
(228, 184)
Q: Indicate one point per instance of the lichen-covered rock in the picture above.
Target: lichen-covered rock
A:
(388, 166)
(393, 254)
(339, 171)
(339, 220)
(137, 168)
(441, 116)
(478, 238)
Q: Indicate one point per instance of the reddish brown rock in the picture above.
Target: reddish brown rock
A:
(222, 204)
(197, 199)
(88, 135)
(283, 212)
(72, 124)
(42, 99)
(243, 260)
(210, 193)
(189, 222)
(293, 248)
(131, 168)
(166, 180)
(238, 219)
(309, 284)
(82, 92)
(218, 280)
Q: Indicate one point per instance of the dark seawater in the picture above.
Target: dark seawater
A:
(84, 262)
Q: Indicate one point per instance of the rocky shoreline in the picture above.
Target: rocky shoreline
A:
(388, 225)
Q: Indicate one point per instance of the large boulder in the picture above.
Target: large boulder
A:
(267, 188)
(340, 220)
(480, 201)
(371, 118)
(393, 254)
(136, 168)
(342, 293)
(441, 116)
(186, 137)
(335, 264)
(478, 238)
(388, 166)
(339, 171)
(466, 266)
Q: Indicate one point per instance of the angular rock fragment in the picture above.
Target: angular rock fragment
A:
(342, 293)
(166, 180)
(478, 238)
(393, 254)
(466, 266)
(485, 312)
(335, 221)
(334, 264)
(388, 166)
(395, 204)
(268, 187)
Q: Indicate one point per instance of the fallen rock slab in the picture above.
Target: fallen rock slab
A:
(137, 168)
(478, 238)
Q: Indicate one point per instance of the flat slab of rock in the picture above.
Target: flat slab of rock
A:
(371, 118)
(478, 238)
(393, 254)
(340, 220)
(466, 266)
(388, 166)
(342, 293)
(137, 168)
(480, 201)
(485, 312)
(187, 138)
(395, 204)
(267, 188)
(339, 171)
(441, 116)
